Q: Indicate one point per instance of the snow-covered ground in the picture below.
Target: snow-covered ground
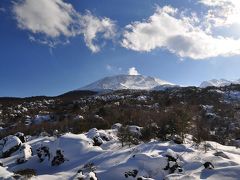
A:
(111, 161)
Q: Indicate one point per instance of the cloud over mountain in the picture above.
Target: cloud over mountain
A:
(133, 71)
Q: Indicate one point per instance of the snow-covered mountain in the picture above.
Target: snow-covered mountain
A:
(126, 82)
(218, 83)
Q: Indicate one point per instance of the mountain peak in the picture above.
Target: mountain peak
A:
(123, 81)
(218, 83)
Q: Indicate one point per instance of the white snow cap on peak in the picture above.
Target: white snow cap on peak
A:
(133, 71)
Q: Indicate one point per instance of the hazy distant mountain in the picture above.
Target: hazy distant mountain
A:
(218, 83)
(126, 82)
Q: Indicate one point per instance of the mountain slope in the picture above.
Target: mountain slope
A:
(218, 83)
(126, 82)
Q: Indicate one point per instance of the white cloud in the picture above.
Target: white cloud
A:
(56, 19)
(222, 12)
(53, 22)
(183, 35)
(50, 17)
(113, 69)
(109, 67)
(133, 71)
(46, 41)
(92, 25)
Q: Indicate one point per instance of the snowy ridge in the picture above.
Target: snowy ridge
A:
(126, 82)
(218, 83)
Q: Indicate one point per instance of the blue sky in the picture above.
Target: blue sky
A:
(69, 44)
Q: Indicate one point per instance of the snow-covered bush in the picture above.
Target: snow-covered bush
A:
(42, 153)
(173, 165)
(149, 132)
(97, 141)
(98, 136)
(116, 126)
(88, 167)
(58, 158)
(132, 173)
(21, 136)
(87, 172)
(27, 173)
(9, 145)
(176, 139)
(78, 117)
(135, 130)
(41, 118)
(128, 137)
(25, 153)
(86, 176)
(56, 133)
(44, 133)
